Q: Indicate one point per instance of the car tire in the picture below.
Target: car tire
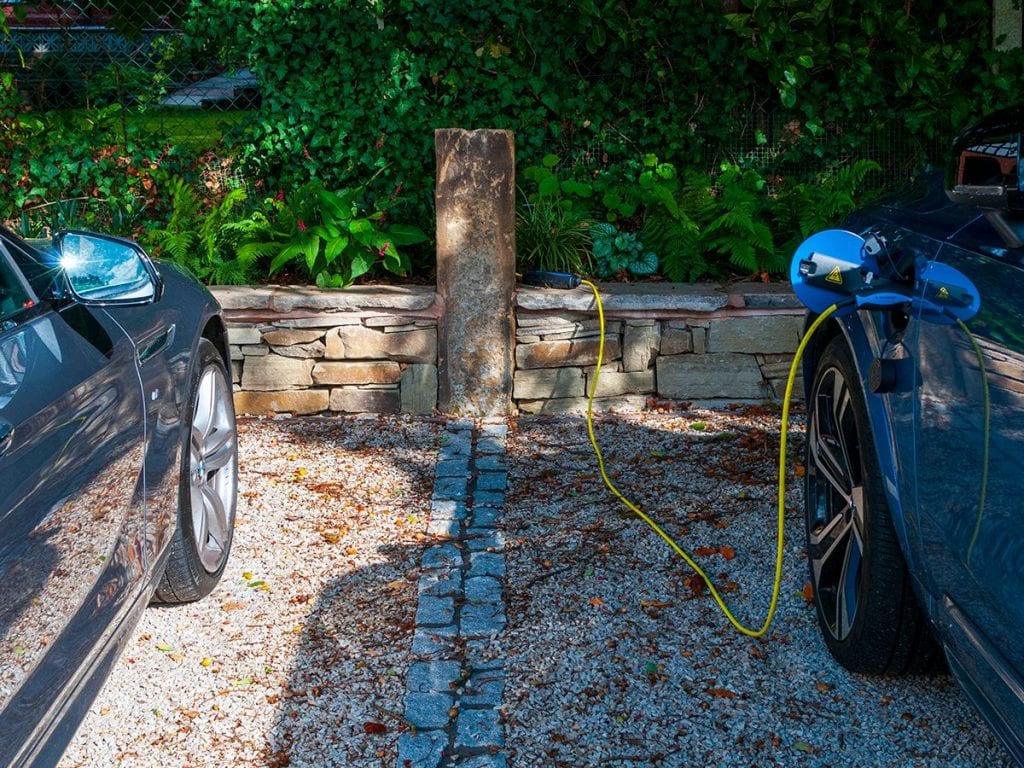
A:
(208, 487)
(864, 600)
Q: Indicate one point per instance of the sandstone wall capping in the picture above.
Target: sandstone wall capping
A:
(375, 349)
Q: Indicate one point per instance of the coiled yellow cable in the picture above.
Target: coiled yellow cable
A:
(777, 585)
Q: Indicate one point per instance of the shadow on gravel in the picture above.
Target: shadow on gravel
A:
(618, 657)
(342, 703)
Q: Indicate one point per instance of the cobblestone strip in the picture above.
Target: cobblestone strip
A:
(456, 683)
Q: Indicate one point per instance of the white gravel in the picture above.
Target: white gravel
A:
(299, 657)
(615, 660)
(614, 657)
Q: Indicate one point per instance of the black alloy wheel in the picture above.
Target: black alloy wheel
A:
(863, 595)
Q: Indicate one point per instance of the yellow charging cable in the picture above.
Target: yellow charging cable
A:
(777, 585)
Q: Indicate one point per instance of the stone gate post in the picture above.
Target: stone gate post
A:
(475, 200)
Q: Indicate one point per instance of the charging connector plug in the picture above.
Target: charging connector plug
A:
(543, 279)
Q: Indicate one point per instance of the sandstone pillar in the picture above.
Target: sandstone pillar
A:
(475, 199)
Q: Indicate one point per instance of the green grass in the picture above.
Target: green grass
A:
(199, 128)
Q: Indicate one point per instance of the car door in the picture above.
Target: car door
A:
(71, 431)
(970, 461)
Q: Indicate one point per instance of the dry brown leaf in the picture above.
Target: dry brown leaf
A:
(722, 693)
(597, 602)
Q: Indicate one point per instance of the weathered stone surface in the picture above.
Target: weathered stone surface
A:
(475, 203)
(554, 321)
(330, 320)
(555, 354)
(419, 388)
(611, 384)
(479, 729)
(291, 298)
(434, 676)
(427, 710)
(244, 334)
(677, 341)
(297, 401)
(313, 351)
(365, 400)
(242, 296)
(357, 373)
(699, 336)
(423, 749)
(543, 383)
(274, 372)
(761, 295)
(640, 345)
(710, 376)
(236, 371)
(236, 352)
(775, 369)
(617, 297)
(578, 405)
(775, 366)
(356, 342)
(282, 337)
(758, 334)
(255, 350)
(384, 321)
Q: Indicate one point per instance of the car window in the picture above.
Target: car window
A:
(15, 294)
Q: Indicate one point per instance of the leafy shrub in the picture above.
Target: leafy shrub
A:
(350, 89)
(207, 241)
(617, 252)
(552, 236)
(328, 235)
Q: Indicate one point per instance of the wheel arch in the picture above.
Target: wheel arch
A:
(863, 341)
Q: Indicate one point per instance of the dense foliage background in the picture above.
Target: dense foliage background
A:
(624, 112)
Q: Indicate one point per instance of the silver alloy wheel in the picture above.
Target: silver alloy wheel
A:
(835, 503)
(213, 455)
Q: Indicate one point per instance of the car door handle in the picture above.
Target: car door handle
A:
(6, 433)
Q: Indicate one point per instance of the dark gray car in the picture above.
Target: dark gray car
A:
(118, 468)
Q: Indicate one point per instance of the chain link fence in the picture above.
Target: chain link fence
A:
(94, 53)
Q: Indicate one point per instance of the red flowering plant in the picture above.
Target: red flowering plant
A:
(329, 234)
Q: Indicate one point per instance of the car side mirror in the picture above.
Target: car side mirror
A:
(984, 166)
(101, 269)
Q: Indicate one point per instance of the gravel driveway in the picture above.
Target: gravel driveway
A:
(613, 654)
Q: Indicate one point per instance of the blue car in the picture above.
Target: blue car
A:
(915, 441)
(118, 468)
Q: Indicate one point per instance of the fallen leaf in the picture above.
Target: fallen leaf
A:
(332, 537)
(808, 593)
(398, 585)
(803, 746)
(206, 662)
(721, 693)
(727, 552)
(823, 687)
(799, 470)
(655, 604)
(351, 551)
(372, 727)
(165, 647)
(231, 605)
(247, 575)
(705, 551)
(597, 602)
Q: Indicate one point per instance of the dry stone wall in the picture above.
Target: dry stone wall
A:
(295, 350)
(372, 349)
(662, 342)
